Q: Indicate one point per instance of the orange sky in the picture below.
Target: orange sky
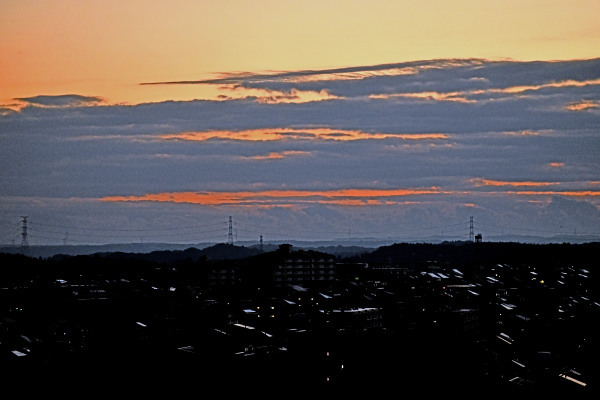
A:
(106, 48)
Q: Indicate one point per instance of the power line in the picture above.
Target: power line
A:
(309, 233)
(63, 227)
(131, 235)
(228, 231)
(81, 235)
(539, 231)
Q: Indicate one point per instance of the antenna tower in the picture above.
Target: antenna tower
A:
(230, 234)
(471, 232)
(24, 240)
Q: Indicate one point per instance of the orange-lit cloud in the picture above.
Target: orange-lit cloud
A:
(352, 197)
(268, 134)
(556, 164)
(279, 155)
(56, 102)
(49, 47)
(341, 197)
(583, 105)
(436, 96)
(236, 79)
(276, 96)
(560, 84)
(574, 193)
(491, 182)
(463, 96)
(349, 75)
(523, 133)
(345, 74)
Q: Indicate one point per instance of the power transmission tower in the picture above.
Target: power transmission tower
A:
(471, 231)
(230, 234)
(24, 240)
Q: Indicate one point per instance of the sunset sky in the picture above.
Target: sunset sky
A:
(154, 121)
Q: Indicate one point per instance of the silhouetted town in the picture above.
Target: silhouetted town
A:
(447, 318)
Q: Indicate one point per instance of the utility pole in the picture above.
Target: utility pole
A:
(230, 234)
(471, 231)
(24, 240)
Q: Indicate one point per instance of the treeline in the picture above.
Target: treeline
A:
(464, 254)
(476, 254)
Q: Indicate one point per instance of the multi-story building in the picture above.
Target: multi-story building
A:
(305, 268)
(280, 268)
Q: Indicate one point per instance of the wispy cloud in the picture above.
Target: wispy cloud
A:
(339, 197)
(526, 132)
(333, 74)
(436, 96)
(278, 155)
(59, 101)
(556, 164)
(583, 105)
(568, 193)
(269, 134)
(480, 95)
(268, 96)
(491, 182)
(446, 80)
(560, 84)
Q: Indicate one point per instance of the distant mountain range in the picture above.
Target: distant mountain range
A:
(219, 251)
(348, 247)
(463, 253)
(210, 250)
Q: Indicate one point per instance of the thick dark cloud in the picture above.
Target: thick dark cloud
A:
(425, 76)
(66, 100)
(503, 121)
